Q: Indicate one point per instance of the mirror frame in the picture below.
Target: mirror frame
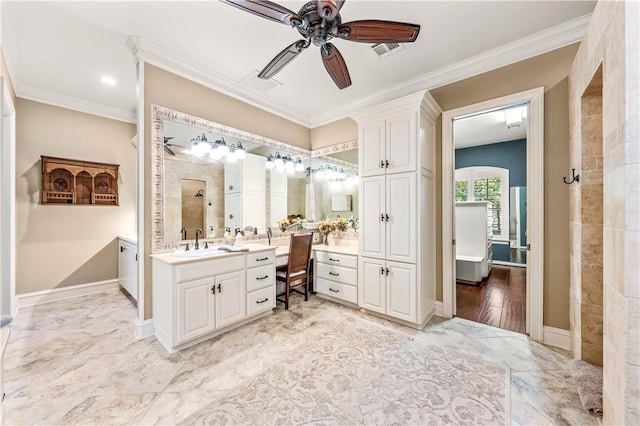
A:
(160, 113)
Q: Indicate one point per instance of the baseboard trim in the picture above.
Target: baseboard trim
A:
(56, 294)
(143, 329)
(557, 337)
(439, 312)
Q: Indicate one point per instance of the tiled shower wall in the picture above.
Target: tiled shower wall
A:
(613, 42)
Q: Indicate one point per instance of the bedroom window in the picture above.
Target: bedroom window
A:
(487, 184)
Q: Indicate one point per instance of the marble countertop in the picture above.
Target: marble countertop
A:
(130, 238)
(341, 249)
(174, 260)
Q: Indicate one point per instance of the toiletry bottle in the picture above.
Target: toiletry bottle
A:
(229, 238)
(212, 233)
(238, 241)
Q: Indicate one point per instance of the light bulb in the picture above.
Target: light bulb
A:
(241, 152)
(279, 162)
(269, 164)
(299, 165)
(214, 154)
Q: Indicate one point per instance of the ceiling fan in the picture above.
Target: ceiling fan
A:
(318, 21)
(167, 145)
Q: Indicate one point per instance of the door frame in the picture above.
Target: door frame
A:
(535, 203)
(8, 198)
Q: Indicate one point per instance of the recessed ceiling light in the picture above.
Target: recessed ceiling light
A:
(109, 81)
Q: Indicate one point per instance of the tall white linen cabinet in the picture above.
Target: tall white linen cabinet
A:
(397, 160)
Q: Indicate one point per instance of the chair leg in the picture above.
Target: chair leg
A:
(286, 295)
(306, 290)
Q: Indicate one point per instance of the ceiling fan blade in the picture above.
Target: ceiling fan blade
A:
(282, 59)
(329, 9)
(168, 138)
(335, 65)
(374, 31)
(169, 150)
(268, 10)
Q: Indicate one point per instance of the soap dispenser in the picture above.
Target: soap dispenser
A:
(238, 241)
(212, 233)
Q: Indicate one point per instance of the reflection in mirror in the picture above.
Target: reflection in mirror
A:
(211, 177)
(335, 180)
(518, 224)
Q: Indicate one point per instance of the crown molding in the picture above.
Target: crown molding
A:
(537, 44)
(542, 42)
(38, 94)
(159, 56)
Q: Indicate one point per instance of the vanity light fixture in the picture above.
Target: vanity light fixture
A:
(289, 165)
(240, 151)
(221, 146)
(269, 164)
(232, 157)
(214, 154)
(278, 161)
(201, 145)
(320, 173)
(299, 166)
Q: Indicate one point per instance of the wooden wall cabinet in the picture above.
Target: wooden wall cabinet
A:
(67, 181)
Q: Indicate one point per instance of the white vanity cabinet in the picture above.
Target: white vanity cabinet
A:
(196, 299)
(396, 273)
(389, 288)
(128, 266)
(389, 216)
(388, 145)
(336, 275)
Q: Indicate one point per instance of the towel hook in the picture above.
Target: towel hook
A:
(574, 177)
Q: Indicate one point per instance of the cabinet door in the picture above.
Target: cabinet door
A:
(231, 298)
(401, 143)
(402, 226)
(127, 268)
(371, 285)
(232, 178)
(401, 291)
(253, 210)
(233, 211)
(372, 147)
(195, 308)
(372, 210)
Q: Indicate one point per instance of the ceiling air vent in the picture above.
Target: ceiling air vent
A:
(385, 49)
(254, 82)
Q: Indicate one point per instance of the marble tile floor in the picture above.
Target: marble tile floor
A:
(77, 362)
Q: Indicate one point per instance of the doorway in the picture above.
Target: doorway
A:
(534, 204)
(490, 165)
(7, 201)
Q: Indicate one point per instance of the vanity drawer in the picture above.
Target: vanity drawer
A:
(337, 273)
(261, 258)
(339, 291)
(206, 268)
(260, 277)
(344, 260)
(261, 300)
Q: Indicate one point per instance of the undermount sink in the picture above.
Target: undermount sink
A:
(198, 253)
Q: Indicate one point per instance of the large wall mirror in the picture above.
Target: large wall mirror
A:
(211, 177)
(335, 183)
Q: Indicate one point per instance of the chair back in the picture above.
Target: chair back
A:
(299, 253)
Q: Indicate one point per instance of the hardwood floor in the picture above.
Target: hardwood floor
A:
(498, 301)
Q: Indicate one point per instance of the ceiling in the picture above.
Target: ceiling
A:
(57, 51)
(489, 127)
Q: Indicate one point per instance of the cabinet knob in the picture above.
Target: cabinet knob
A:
(220, 285)
(230, 216)
(381, 270)
(386, 217)
(381, 217)
(230, 187)
(387, 271)
(381, 164)
(386, 163)
(213, 289)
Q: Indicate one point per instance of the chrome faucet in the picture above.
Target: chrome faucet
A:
(183, 231)
(269, 235)
(199, 233)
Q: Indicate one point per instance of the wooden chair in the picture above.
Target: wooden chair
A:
(295, 273)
